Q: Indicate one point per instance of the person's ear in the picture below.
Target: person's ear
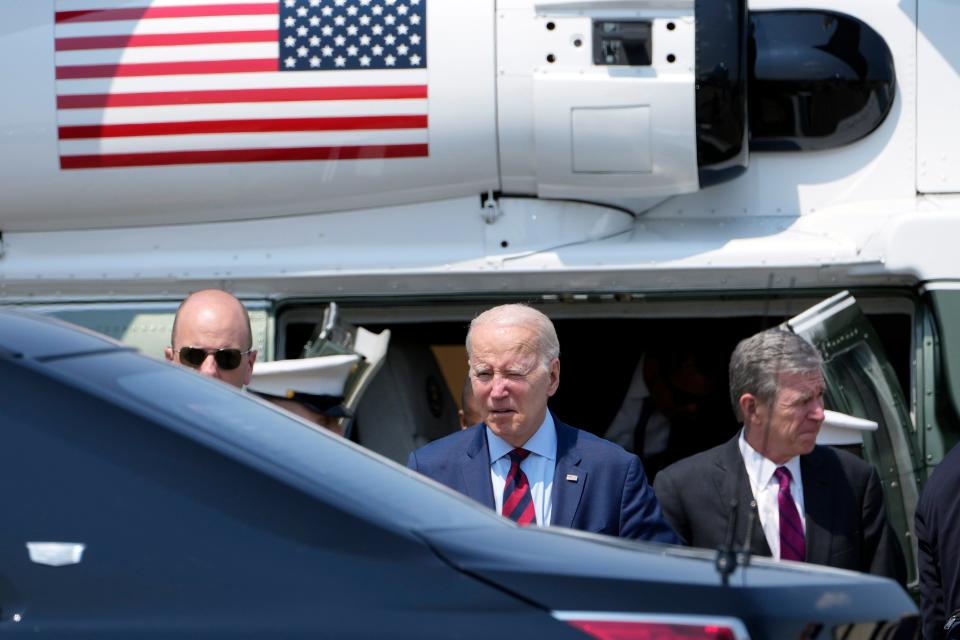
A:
(751, 409)
(168, 353)
(554, 377)
(251, 359)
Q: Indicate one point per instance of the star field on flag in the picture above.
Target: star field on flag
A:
(352, 34)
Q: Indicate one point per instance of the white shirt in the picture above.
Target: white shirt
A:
(624, 424)
(539, 467)
(765, 488)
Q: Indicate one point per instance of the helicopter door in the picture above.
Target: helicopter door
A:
(861, 382)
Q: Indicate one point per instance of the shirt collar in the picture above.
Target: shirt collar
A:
(543, 442)
(760, 469)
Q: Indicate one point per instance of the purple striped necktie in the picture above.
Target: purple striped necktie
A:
(792, 543)
(517, 500)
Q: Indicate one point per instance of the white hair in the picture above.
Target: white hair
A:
(521, 315)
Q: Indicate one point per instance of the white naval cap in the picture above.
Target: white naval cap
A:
(317, 382)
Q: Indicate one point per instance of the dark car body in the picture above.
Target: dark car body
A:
(192, 509)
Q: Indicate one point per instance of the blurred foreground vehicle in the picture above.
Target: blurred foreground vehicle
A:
(144, 500)
(643, 171)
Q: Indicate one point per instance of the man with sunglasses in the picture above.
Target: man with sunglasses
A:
(211, 333)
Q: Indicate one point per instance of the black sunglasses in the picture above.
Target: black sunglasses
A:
(226, 359)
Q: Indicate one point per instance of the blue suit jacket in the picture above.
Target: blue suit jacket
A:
(609, 495)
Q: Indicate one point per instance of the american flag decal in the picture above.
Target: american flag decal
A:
(172, 82)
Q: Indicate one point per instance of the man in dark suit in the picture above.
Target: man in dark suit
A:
(771, 486)
(938, 546)
(522, 462)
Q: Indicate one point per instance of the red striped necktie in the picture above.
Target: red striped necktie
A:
(792, 543)
(517, 501)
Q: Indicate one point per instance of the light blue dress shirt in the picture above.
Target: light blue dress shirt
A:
(539, 467)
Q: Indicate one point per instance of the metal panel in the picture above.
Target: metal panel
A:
(938, 93)
(861, 382)
(148, 327)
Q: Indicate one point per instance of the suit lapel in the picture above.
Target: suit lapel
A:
(733, 483)
(817, 506)
(566, 493)
(476, 470)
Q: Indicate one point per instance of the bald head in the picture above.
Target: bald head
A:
(212, 320)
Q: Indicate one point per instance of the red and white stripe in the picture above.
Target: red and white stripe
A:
(166, 82)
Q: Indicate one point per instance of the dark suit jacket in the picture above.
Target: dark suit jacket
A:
(938, 545)
(843, 502)
(610, 494)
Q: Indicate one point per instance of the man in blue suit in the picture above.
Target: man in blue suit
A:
(522, 462)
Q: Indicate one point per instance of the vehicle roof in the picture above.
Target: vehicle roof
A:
(27, 335)
(234, 423)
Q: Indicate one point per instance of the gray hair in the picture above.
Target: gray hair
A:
(758, 361)
(521, 315)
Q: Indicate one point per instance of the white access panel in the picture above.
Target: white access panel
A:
(938, 96)
(611, 139)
